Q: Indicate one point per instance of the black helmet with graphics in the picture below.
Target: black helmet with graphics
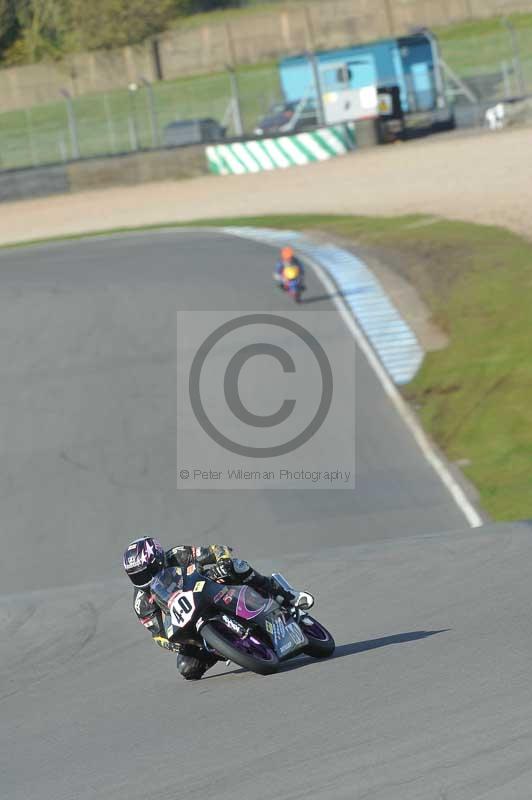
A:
(143, 559)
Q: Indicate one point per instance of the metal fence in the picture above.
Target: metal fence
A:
(493, 66)
(481, 71)
(135, 118)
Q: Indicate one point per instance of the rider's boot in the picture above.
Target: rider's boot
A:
(287, 595)
(193, 662)
(301, 600)
(277, 586)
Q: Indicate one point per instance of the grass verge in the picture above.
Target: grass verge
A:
(473, 397)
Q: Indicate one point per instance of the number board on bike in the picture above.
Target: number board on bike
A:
(182, 609)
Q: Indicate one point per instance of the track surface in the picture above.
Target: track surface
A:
(428, 695)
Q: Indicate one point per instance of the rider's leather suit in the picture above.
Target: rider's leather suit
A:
(193, 661)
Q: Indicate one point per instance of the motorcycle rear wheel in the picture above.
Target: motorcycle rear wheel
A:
(250, 654)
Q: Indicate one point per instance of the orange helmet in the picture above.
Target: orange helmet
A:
(287, 253)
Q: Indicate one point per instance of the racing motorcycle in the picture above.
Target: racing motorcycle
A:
(291, 285)
(236, 623)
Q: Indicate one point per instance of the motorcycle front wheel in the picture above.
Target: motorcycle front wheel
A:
(320, 642)
(249, 652)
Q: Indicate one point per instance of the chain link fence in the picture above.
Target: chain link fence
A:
(138, 118)
(481, 71)
(494, 66)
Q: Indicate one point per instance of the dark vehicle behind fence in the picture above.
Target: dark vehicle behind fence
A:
(287, 117)
(193, 131)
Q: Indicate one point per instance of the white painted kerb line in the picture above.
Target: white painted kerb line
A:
(456, 491)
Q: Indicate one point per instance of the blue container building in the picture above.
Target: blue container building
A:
(348, 78)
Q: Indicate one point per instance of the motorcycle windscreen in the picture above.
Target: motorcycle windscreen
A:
(250, 604)
(243, 601)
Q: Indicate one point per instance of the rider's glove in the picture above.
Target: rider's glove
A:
(223, 569)
(162, 641)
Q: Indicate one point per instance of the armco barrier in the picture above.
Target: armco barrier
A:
(297, 149)
(19, 184)
(133, 168)
(98, 173)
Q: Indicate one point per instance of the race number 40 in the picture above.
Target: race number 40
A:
(182, 609)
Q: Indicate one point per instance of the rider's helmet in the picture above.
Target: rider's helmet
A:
(287, 254)
(143, 559)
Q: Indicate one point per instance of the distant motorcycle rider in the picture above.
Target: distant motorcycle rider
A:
(289, 267)
(145, 558)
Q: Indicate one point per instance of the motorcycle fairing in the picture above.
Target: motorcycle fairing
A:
(286, 636)
(249, 605)
(244, 602)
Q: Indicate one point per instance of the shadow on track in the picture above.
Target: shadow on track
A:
(343, 650)
(353, 648)
(321, 298)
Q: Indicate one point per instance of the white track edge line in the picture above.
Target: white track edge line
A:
(471, 514)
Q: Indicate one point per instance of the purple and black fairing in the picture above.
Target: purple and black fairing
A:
(249, 616)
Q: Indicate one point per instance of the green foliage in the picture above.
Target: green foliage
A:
(32, 30)
(7, 17)
(114, 23)
(9, 28)
(197, 6)
(212, 5)
(42, 28)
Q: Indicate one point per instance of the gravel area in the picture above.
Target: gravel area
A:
(483, 178)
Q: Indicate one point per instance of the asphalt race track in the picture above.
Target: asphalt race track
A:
(428, 696)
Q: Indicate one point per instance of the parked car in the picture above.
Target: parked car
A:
(193, 131)
(287, 117)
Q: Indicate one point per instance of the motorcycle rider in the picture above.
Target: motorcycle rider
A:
(289, 267)
(146, 557)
